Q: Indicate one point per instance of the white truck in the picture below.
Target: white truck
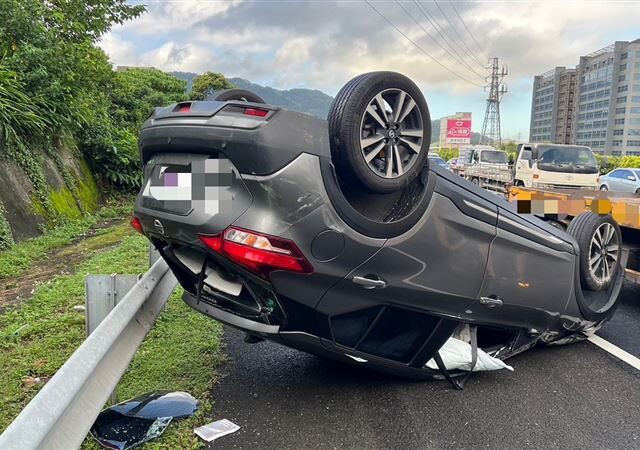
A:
(486, 166)
(538, 165)
(549, 166)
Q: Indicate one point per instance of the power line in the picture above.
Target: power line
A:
(459, 60)
(445, 36)
(464, 45)
(418, 47)
(468, 30)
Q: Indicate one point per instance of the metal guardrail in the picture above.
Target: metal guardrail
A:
(61, 414)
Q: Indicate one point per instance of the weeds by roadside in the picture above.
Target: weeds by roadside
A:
(180, 353)
(18, 259)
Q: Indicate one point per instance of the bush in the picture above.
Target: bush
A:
(608, 163)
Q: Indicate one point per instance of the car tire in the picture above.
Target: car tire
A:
(637, 191)
(475, 181)
(228, 95)
(380, 131)
(594, 233)
(604, 188)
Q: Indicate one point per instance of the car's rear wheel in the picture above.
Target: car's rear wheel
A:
(380, 131)
(599, 239)
(604, 188)
(243, 95)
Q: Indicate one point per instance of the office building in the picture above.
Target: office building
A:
(552, 106)
(600, 109)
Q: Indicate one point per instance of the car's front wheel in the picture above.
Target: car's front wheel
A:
(600, 242)
(604, 187)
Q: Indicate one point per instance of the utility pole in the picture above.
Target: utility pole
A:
(491, 124)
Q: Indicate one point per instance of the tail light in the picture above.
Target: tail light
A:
(255, 112)
(257, 252)
(135, 223)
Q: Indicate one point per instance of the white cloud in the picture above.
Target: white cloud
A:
(176, 57)
(120, 52)
(323, 44)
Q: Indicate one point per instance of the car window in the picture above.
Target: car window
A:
(614, 174)
(624, 174)
(637, 174)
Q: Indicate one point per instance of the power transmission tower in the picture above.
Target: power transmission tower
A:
(491, 124)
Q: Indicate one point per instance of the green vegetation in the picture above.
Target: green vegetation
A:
(207, 83)
(608, 163)
(20, 258)
(180, 353)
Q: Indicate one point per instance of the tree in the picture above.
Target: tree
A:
(207, 83)
(137, 91)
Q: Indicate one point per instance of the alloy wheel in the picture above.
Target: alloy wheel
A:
(603, 253)
(391, 133)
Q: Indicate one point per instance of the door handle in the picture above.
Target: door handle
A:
(368, 282)
(491, 302)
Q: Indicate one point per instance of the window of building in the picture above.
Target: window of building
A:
(636, 76)
(624, 56)
(633, 143)
(624, 88)
(637, 66)
(617, 143)
(623, 67)
(636, 88)
(633, 132)
(635, 99)
(620, 110)
(637, 53)
(634, 121)
(622, 78)
(618, 132)
(618, 122)
(635, 110)
(621, 99)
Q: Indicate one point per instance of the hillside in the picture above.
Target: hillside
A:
(310, 101)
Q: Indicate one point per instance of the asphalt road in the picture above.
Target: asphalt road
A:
(576, 396)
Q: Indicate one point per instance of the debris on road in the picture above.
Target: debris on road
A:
(141, 419)
(214, 430)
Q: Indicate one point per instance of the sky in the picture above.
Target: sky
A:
(442, 45)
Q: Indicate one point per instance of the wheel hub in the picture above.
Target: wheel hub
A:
(391, 133)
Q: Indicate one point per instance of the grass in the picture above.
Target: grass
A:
(19, 258)
(180, 353)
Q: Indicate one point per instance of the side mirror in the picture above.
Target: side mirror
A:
(631, 178)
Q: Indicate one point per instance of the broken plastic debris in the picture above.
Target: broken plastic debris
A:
(456, 354)
(141, 419)
(216, 429)
(79, 308)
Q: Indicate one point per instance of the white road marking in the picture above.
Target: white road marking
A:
(615, 351)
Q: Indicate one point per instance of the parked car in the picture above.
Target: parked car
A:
(621, 180)
(439, 161)
(341, 238)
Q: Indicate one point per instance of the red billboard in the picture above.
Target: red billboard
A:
(459, 131)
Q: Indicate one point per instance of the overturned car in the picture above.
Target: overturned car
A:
(339, 238)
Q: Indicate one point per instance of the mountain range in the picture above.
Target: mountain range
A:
(311, 101)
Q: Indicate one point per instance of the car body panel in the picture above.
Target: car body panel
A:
(387, 291)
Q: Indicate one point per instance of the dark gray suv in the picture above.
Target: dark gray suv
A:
(339, 238)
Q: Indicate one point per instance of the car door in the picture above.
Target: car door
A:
(408, 290)
(529, 277)
(614, 180)
(524, 169)
(627, 181)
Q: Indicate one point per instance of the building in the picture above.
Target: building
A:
(552, 106)
(600, 109)
(455, 130)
